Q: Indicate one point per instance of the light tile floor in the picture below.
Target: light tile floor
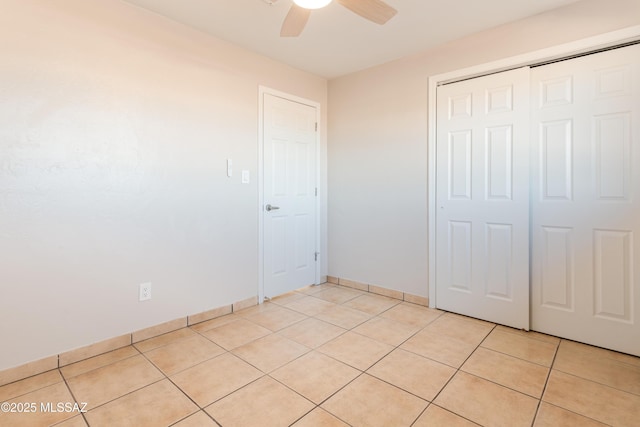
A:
(333, 356)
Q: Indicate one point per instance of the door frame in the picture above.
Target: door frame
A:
(578, 47)
(262, 91)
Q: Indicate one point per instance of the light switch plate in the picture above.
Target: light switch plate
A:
(246, 177)
(229, 168)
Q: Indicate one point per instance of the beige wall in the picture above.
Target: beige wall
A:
(115, 126)
(378, 142)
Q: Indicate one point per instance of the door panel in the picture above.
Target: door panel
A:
(483, 198)
(499, 162)
(585, 205)
(289, 186)
(498, 253)
(557, 280)
(459, 256)
(557, 161)
(612, 139)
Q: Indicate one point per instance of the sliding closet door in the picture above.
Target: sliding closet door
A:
(482, 218)
(586, 199)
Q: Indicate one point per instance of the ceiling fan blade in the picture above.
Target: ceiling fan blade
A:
(374, 10)
(295, 21)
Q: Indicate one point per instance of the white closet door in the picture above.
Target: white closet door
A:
(585, 116)
(482, 218)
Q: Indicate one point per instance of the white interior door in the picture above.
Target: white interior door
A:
(290, 195)
(482, 214)
(586, 199)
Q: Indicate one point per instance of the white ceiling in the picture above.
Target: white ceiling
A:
(336, 41)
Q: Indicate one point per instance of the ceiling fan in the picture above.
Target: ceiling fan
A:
(374, 10)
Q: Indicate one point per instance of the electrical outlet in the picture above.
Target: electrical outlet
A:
(145, 291)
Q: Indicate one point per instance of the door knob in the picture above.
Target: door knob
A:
(270, 208)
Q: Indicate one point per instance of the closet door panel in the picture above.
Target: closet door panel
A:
(585, 204)
(482, 238)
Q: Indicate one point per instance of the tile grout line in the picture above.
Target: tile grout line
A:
(166, 377)
(226, 351)
(316, 406)
(99, 367)
(64, 379)
(458, 370)
(268, 374)
(200, 408)
(546, 382)
(429, 402)
(264, 374)
(140, 353)
(91, 370)
(396, 347)
(421, 413)
(516, 357)
(594, 380)
(362, 372)
(422, 328)
(509, 388)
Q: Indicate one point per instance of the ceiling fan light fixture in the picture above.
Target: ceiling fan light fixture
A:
(312, 4)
